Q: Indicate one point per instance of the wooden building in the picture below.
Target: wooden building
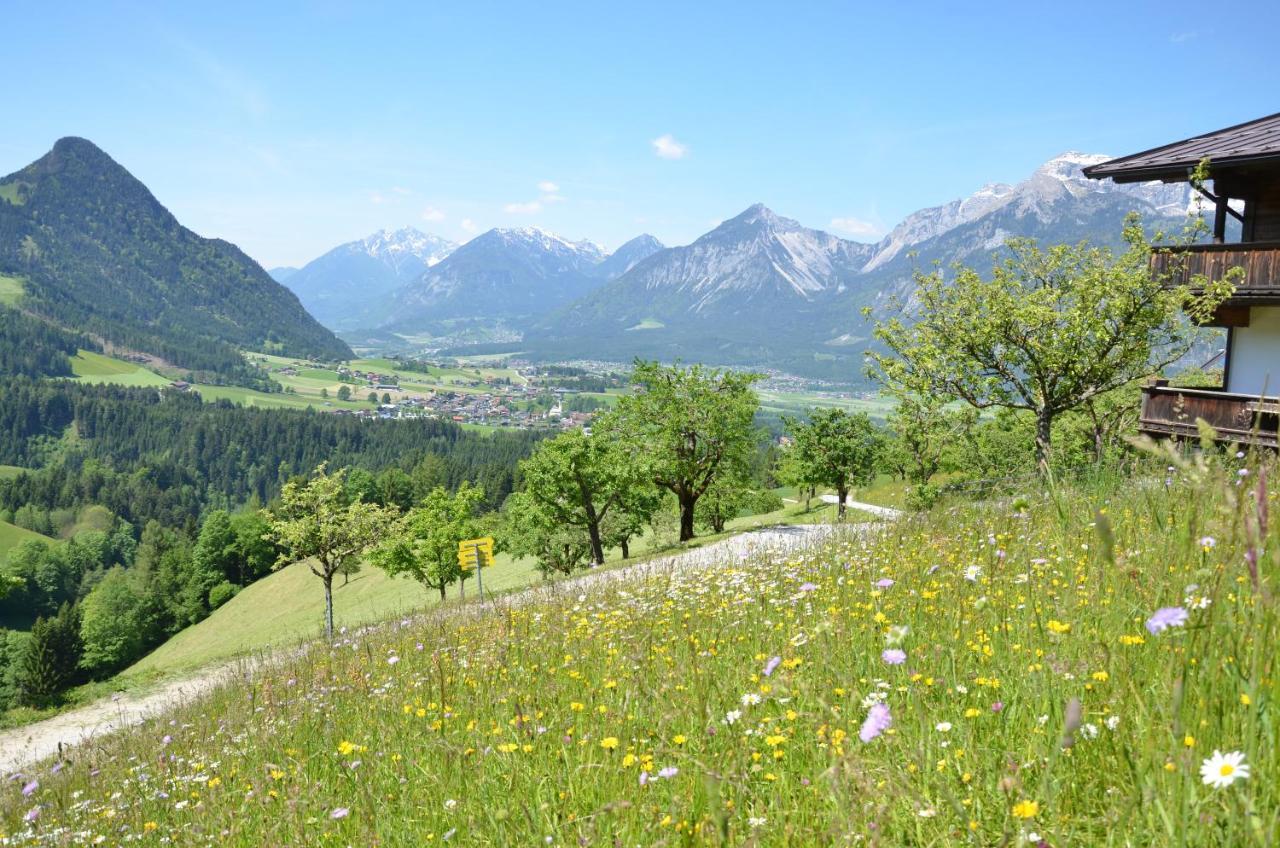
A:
(1244, 183)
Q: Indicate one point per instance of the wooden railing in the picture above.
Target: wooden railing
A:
(1247, 419)
(1260, 261)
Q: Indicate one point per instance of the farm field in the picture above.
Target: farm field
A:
(93, 367)
(1059, 675)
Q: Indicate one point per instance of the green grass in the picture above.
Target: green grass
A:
(8, 472)
(12, 535)
(91, 367)
(9, 193)
(288, 606)
(11, 288)
(1030, 699)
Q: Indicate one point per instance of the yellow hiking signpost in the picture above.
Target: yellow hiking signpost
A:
(477, 554)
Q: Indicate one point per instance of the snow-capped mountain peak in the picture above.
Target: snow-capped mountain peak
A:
(394, 247)
(538, 238)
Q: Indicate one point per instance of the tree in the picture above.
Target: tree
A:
(344, 393)
(1050, 329)
(51, 661)
(373, 398)
(836, 449)
(722, 501)
(424, 543)
(533, 532)
(324, 393)
(386, 397)
(580, 480)
(109, 624)
(692, 425)
(316, 522)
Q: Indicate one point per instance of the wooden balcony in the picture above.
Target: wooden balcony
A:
(1260, 261)
(1169, 412)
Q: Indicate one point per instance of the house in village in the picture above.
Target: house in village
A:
(1244, 183)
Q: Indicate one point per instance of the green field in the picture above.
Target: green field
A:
(93, 367)
(11, 536)
(10, 471)
(11, 289)
(9, 193)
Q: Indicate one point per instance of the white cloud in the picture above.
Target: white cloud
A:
(523, 208)
(401, 190)
(548, 187)
(432, 214)
(468, 225)
(857, 227)
(666, 147)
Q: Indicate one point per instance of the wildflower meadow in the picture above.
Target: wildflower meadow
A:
(1091, 665)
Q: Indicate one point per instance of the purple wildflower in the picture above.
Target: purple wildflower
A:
(668, 772)
(644, 778)
(771, 665)
(884, 583)
(1166, 617)
(32, 814)
(997, 706)
(808, 587)
(339, 813)
(878, 721)
(894, 656)
(166, 740)
(30, 788)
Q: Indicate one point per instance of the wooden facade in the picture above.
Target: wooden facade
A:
(1244, 170)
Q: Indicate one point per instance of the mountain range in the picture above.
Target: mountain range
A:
(93, 251)
(759, 289)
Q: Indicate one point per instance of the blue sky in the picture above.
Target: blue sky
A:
(289, 128)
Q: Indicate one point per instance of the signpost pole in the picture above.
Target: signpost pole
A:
(479, 571)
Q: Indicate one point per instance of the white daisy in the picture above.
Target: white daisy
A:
(1224, 769)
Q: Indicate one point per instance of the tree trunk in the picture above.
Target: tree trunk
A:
(328, 607)
(1044, 440)
(844, 496)
(441, 588)
(597, 549)
(687, 503)
(625, 544)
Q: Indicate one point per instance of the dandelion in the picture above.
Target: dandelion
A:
(609, 743)
(339, 813)
(1222, 770)
(1164, 618)
(894, 656)
(1026, 809)
(1058, 626)
(878, 721)
(771, 665)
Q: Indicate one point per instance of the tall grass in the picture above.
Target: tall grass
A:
(724, 705)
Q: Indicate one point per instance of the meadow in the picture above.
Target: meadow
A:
(1093, 666)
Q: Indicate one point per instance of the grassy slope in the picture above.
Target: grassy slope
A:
(288, 605)
(10, 290)
(91, 367)
(1030, 698)
(11, 536)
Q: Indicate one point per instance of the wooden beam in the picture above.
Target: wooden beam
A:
(1229, 316)
(1220, 219)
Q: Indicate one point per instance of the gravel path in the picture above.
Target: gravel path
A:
(42, 739)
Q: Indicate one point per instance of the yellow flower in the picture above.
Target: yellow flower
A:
(1189, 741)
(508, 747)
(1059, 626)
(1026, 809)
(1245, 699)
(1132, 640)
(1101, 676)
(972, 712)
(150, 826)
(609, 743)
(679, 739)
(629, 760)
(577, 706)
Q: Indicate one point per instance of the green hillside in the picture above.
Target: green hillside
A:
(99, 253)
(11, 535)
